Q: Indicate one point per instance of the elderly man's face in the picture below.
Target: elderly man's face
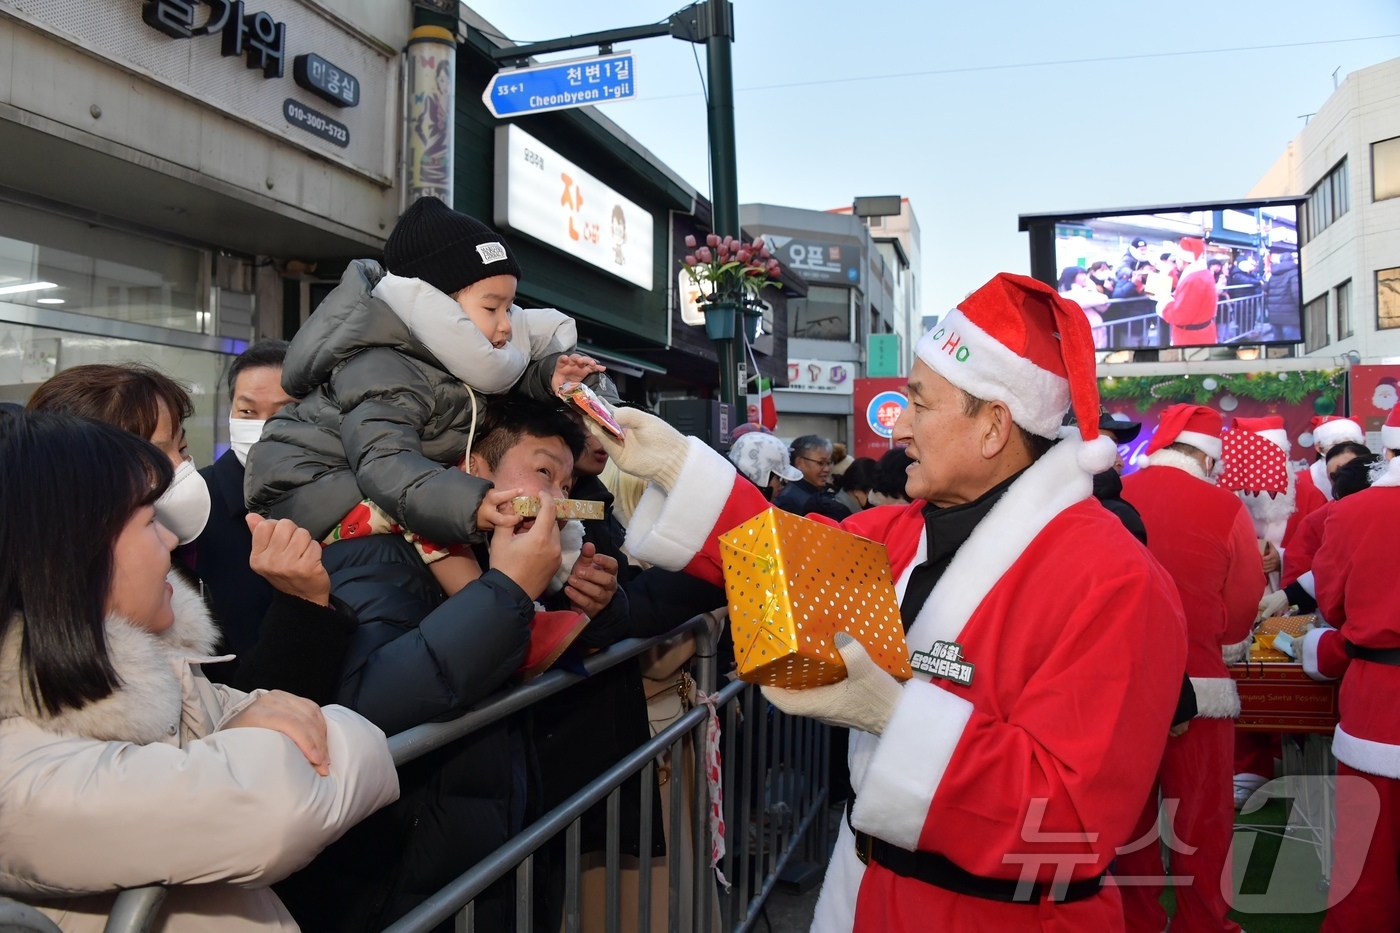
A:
(945, 444)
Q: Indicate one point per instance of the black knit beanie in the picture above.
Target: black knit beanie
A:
(446, 249)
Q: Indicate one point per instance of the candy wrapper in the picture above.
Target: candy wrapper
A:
(793, 584)
(576, 393)
(582, 509)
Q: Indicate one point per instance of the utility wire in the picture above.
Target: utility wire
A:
(1041, 64)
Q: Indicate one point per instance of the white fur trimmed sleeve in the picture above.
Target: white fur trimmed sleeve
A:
(909, 762)
(669, 530)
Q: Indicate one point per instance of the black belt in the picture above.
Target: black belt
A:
(942, 872)
(1202, 326)
(1389, 656)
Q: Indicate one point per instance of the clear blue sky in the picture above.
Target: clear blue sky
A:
(973, 149)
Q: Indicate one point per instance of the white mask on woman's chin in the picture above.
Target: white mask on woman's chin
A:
(184, 509)
(242, 435)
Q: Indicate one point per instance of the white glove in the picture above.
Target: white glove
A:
(865, 700)
(650, 449)
(1274, 604)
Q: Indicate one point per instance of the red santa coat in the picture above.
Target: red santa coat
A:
(1314, 491)
(1354, 570)
(1043, 761)
(1298, 559)
(1191, 311)
(1204, 538)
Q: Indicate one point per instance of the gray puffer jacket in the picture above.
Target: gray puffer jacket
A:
(382, 417)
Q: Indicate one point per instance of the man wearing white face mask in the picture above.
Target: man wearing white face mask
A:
(276, 614)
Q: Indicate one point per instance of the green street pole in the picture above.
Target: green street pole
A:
(724, 168)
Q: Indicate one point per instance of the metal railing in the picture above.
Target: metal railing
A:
(1134, 322)
(774, 779)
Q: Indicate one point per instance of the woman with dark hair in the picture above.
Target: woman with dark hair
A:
(120, 764)
(298, 645)
(856, 484)
(891, 474)
(1349, 471)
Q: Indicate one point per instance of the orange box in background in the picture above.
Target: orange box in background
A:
(793, 583)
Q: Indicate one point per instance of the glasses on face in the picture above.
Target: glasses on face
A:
(823, 464)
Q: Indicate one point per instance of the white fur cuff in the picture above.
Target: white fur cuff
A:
(909, 762)
(1216, 697)
(669, 530)
(1310, 642)
(1234, 654)
(1366, 755)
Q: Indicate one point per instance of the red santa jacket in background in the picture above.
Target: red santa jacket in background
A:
(1298, 558)
(1354, 570)
(1077, 637)
(1204, 538)
(1191, 310)
(1310, 497)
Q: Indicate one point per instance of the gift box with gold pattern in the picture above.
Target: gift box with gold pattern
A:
(793, 583)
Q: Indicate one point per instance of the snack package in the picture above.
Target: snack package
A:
(793, 584)
(582, 509)
(576, 393)
(1262, 649)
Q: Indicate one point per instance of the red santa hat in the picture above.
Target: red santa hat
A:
(1330, 430)
(1193, 245)
(1388, 381)
(1016, 341)
(1390, 431)
(1269, 427)
(1194, 425)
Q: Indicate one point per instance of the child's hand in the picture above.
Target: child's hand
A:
(574, 367)
(492, 514)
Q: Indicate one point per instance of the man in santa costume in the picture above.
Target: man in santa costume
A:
(1205, 539)
(1314, 489)
(1190, 309)
(1355, 575)
(1257, 470)
(997, 803)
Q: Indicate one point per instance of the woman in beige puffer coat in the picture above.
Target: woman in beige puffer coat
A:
(156, 776)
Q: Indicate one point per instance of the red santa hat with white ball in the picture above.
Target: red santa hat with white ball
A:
(1193, 425)
(1016, 341)
(1330, 430)
(1390, 431)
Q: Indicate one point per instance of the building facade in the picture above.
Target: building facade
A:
(896, 237)
(850, 294)
(1346, 161)
(175, 173)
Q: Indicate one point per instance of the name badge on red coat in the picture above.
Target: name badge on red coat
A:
(944, 660)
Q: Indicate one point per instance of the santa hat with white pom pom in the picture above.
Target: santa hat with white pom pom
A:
(1016, 341)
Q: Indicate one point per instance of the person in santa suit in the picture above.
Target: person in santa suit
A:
(1355, 573)
(996, 802)
(1205, 539)
(1297, 584)
(1314, 489)
(1190, 309)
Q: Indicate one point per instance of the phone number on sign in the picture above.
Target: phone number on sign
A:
(316, 123)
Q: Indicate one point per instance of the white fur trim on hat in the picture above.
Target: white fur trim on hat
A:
(1390, 437)
(1331, 433)
(1278, 436)
(979, 364)
(1205, 443)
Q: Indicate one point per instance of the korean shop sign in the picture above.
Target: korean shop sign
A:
(561, 85)
(542, 195)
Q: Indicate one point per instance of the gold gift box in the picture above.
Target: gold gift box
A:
(793, 583)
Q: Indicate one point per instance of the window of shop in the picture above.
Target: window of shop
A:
(1315, 318)
(1385, 169)
(825, 314)
(1343, 296)
(1388, 298)
(1328, 200)
(51, 261)
(29, 355)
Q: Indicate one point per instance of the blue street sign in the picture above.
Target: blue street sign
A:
(561, 85)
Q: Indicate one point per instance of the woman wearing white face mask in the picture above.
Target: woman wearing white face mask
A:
(289, 636)
(121, 765)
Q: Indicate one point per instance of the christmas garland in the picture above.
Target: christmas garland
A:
(1292, 386)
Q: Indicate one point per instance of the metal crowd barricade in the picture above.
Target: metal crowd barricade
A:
(774, 781)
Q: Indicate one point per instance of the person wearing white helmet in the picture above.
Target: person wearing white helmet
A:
(763, 459)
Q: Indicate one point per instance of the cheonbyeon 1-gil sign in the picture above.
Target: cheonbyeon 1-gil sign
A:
(561, 85)
(884, 410)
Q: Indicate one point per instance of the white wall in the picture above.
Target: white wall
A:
(1363, 110)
